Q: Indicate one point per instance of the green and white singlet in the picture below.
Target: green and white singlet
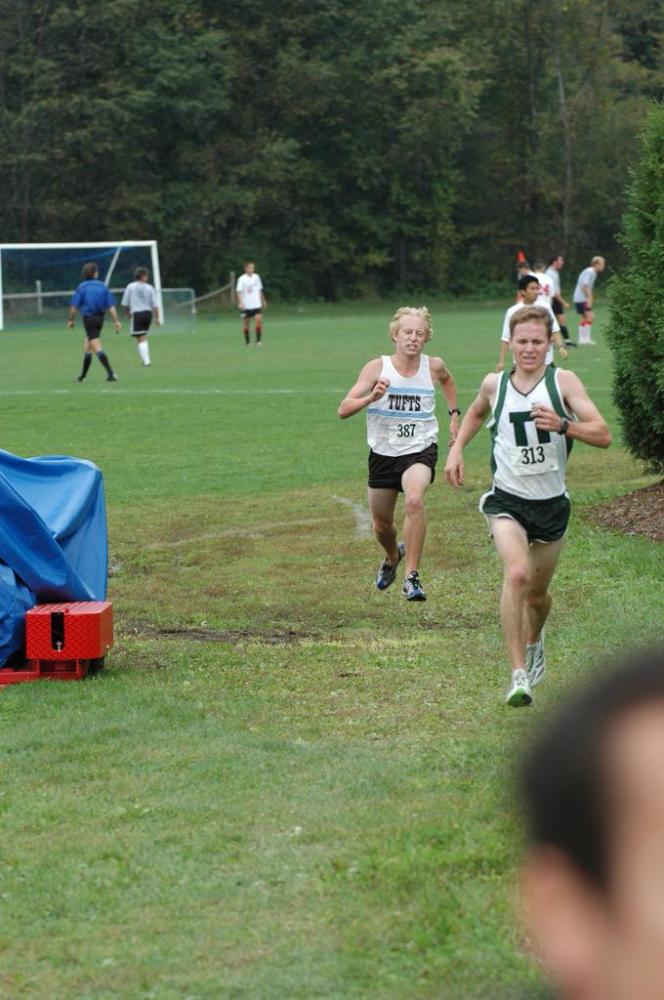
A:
(525, 461)
(403, 421)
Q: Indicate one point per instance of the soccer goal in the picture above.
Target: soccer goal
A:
(37, 281)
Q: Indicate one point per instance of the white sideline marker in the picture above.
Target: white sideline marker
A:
(363, 526)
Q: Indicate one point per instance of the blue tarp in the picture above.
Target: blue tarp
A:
(53, 544)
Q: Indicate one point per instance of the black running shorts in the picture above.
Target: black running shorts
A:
(93, 325)
(543, 520)
(385, 471)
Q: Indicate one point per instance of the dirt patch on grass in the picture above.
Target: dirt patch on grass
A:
(231, 636)
(639, 513)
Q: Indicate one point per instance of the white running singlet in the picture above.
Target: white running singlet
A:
(403, 421)
(525, 461)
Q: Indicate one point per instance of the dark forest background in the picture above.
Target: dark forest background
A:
(351, 148)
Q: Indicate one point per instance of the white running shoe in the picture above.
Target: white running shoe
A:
(535, 665)
(412, 588)
(519, 692)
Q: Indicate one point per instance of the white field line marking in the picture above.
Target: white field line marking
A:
(363, 524)
(170, 392)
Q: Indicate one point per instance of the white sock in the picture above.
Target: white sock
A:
(583, 333)
(589, 333)
(144, 352)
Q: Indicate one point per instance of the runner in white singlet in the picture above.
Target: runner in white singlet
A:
(536, 413)
(402, 433)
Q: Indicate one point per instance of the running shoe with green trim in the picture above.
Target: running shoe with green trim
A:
(519, 692)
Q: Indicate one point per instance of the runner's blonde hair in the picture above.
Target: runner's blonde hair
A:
(421, 311)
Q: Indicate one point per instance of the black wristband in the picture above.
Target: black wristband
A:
(564, 426)
(455, 409)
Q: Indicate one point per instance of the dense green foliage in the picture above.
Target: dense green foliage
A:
(350, 148)
(636, 331)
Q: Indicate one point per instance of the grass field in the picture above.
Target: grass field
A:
(285, 784)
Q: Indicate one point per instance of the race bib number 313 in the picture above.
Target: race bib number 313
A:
(534, 459)
(406, 433)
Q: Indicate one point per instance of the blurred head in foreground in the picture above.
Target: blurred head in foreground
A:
(593, 880)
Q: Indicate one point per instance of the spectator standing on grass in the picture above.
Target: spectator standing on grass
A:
(593, 878)
(92, 299)
(537, 412)
(399, 394)
(558, 303)
(584, 297)
(142, 306)
(251, 301)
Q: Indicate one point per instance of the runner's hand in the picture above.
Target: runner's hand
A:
(454, 468)
(379, 389)
(545, 418)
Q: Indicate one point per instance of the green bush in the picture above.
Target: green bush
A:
(636, 329)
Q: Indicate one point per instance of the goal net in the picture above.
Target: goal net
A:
(37, 281)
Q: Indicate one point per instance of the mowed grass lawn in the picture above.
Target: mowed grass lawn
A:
(284, 784)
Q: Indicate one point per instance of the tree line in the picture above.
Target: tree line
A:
(350, 148)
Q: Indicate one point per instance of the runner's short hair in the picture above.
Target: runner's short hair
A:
(420, 311)
(528, 313)
(141, 272)
(565, 777)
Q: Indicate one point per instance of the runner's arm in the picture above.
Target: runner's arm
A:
(441, 373)
(368, 388)
(590, 427)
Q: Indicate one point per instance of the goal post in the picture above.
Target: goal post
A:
(44, 271)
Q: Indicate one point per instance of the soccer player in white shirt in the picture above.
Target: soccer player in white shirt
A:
(142, 306)
(583, 298)
(558, 303)
(546, 288)
(251, 301)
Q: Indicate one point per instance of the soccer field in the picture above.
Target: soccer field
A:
(285, 784)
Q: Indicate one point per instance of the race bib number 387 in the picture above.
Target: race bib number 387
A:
(535, 459)
(406, 433)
